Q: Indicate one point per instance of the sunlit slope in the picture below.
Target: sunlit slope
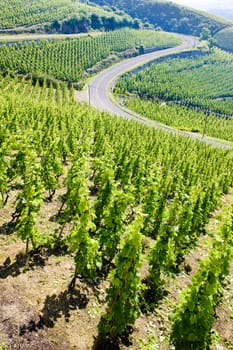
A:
(68, 59)
(168, 15)
(224, 39)
(15, 13)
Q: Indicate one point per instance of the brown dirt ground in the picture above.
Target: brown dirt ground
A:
(38, 313)
(224, 315)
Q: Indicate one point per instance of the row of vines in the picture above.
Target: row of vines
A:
(193, 318)
(43, 90)
(193, 81)
(182, 117)
(68, 59)
(18, 12)
(122, 183)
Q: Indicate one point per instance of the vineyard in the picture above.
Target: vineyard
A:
(68, 59)
(25, 13)
(17, 12)
(224, 39)
(113, 234)
(192, 81)
(124, 202)
(182, 118)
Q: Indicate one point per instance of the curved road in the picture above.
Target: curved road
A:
(100, 86)
(98, 89)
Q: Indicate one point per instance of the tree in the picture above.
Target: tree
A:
(136, 23)
(205, 34)
(211, 43)
(56, 25)
(96, 21)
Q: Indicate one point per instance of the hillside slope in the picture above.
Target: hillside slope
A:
(64, 16)
(169, 16)
(224, 39)
(80, 55)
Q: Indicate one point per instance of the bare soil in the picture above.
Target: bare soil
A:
(38, 313)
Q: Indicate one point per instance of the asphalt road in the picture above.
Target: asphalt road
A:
(99, 90)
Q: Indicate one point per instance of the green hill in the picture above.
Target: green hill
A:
(68, 16)
(168, 15)
(224, 39)
(65, 16)
(79, 54)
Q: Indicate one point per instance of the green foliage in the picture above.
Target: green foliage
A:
(194, 316)
(168, 15)
(205, 34)
(175, 236)
(68, 59)
(123, 294)
(112, 221)
(87, 255)
(3, 177)
(109, 168)
(110, 211)
(183, 118)
(169, 80)
(224, 39)
(29, 200)
(51, 168)
(58, 15)
(77, 189)
(18, 12)
(211, 43)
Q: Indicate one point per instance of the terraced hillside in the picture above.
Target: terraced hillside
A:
(68, 59)
(196, 90)
(59, 15)
(113, 234)
(113, 206)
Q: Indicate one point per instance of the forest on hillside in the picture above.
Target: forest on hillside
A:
(168, 16)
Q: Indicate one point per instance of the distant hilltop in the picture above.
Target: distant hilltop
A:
(226, 13)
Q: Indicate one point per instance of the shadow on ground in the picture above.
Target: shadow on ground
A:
(21, 264)
(7, 228)
(56, 306)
